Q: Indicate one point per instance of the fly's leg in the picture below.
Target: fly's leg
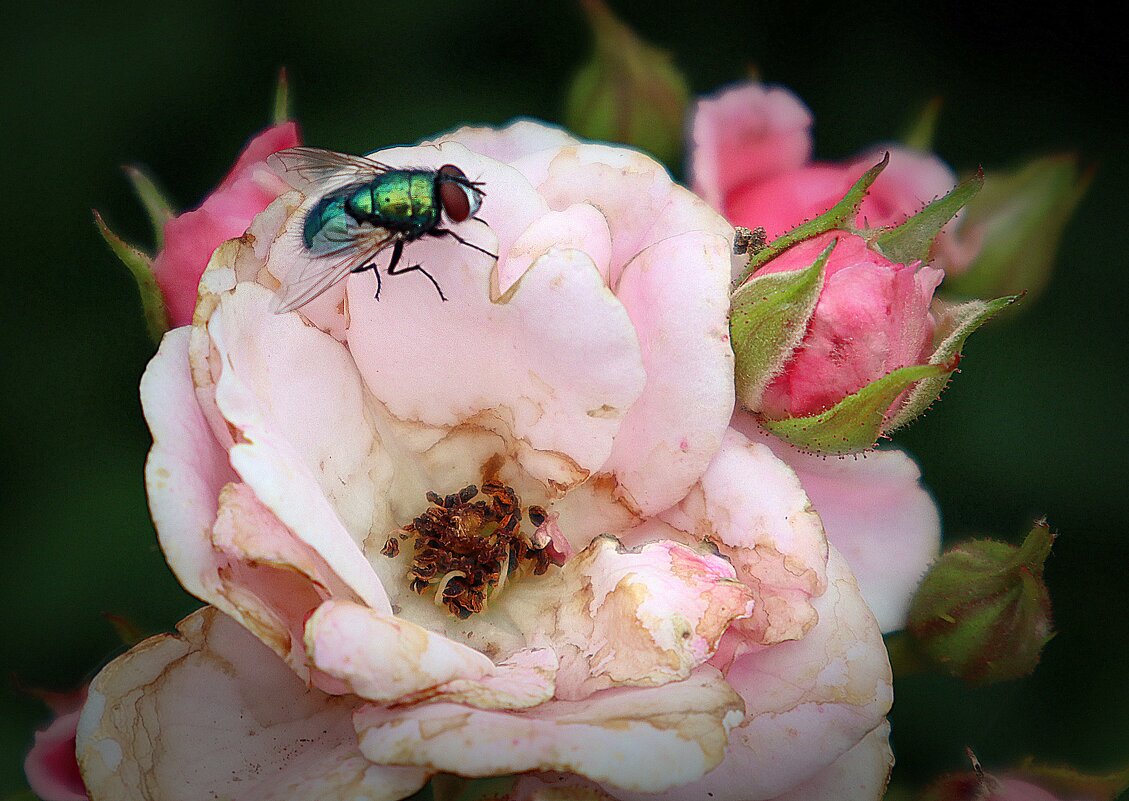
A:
(414, 268)
(397, 252)
(437, 232)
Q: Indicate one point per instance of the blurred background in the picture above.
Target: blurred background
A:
(1033, 425)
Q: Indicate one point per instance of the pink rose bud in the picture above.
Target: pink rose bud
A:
(871, 318)
(51, 766)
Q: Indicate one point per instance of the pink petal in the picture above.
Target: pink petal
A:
(617, 617)
(508, 143)
(746, 134)
(384, 658)
(860, 774)
(52, 767)
(751, 506)
(807, 702)
(568, 370)
(211, 713)
(186, 468)
(876, 512)
(294, 398)
(645, 739)
(669, 266)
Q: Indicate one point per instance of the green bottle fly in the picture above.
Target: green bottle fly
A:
(368, 208)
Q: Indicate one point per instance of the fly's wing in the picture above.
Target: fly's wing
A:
(312, 275)
(305, 168)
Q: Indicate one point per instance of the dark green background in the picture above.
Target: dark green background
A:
(1034, 424)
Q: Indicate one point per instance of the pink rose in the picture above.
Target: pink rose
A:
(51, 766)
(751, 159)
(872, 317)
(512, 533)
(191, 237)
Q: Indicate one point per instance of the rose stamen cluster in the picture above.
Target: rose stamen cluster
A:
(464, 548)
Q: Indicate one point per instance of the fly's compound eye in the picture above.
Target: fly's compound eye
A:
(458, 195)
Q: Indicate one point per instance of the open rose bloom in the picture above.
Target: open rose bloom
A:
(512, 533)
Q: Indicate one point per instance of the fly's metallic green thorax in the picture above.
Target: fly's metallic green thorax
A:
(406, 201)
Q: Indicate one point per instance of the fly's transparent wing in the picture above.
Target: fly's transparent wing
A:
(310, 167)
(312, 275)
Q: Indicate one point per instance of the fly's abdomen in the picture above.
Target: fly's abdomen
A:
(326, 223)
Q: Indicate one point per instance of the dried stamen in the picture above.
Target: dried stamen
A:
(464, 548)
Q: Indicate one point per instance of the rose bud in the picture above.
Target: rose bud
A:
(835, 332)
(983, 612)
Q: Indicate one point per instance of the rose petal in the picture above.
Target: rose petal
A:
(508, 143)
(876, 512)
(568, 371)
(191, 237)
(383, 658)
(745, 134)
(300, 444)
(646, 739)
(806, 702)
(211, 713)
(670, 266)
(617, 617)
(186, 467)
(752, 507)
(860, 774)
(676, 426)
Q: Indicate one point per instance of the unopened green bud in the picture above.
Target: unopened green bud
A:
(982, 612)
(1017, 221)
(629, 92)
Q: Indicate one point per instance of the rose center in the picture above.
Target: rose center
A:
(469, 543)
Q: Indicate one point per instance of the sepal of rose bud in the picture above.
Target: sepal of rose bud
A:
(767, 320)
(629, 91)
(955, 324)
(983, 611)
(914, 239)
(140, 266)
(1013, 228)
(855, 423)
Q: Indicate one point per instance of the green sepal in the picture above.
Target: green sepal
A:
(281, 110)
(767, 320)
(157, 206)
(855, 423)
(141, 267)
(839, 216)
(913, 239)
(1067, 782)
(629, 91)
(1021, 217)
(922, 129)
(955, 323)
(983, 613)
